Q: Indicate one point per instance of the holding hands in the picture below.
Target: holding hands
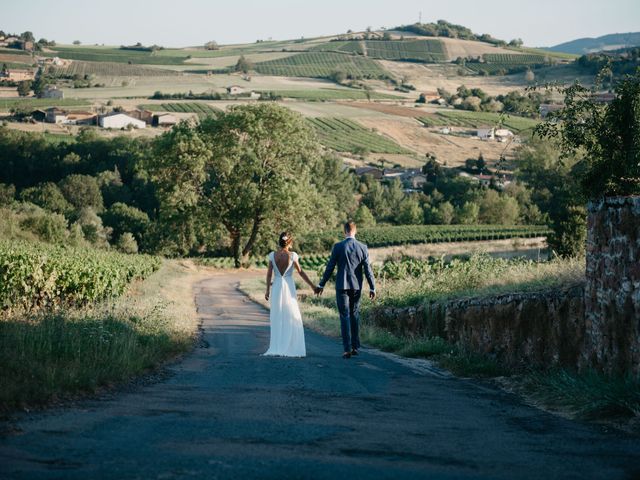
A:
(318, 290)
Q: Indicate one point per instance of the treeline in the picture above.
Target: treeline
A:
(623, 62)
(442, 28)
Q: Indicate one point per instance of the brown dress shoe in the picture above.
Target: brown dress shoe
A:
(346, 355)
(354, 352)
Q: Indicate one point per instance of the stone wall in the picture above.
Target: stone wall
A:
(596, 325)
(543, 328)
(612, 297)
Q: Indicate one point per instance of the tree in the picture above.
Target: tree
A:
(243, 65)
(481, 164)
(48, 196)
(24, 88)
(7, 194)
(211, 45)
(27, 36)
(467, 214)
(363, 217)
(496, 209)
(386, 36)
(76, 42)
(409, 212)
(122, 218)
(338, 76)
(446, 213)
(606, 136)
(529, 76)
(82, 191)
(127, 243)
(92, 227)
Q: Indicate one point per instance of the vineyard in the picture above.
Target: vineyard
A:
(307, 262)
(111, 69)
(34, 276)
(27, 103)
(507, 63)
(429, 51)
(415, 234)
(329, 94)
(515, 59)
(116, 55)
(322, 65)
(459, 118)
(345, 135)
(202, 109)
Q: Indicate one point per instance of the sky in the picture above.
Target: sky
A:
(179, 23)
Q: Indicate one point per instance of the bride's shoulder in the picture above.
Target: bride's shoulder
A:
(295, 256)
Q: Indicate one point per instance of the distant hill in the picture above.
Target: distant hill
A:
(613, 41)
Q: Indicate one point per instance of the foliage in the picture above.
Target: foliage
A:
(202, 109)
(478, 119)
(35, 276)
(606, 136)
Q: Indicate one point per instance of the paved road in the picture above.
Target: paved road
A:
(226, 412)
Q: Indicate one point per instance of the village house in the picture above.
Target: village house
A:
(164, 120)
(81, 118)
(55, 115)
(51, 91)
(485, 133)
(119, 120)
(235, 90)
(39, 115)
(144, 115)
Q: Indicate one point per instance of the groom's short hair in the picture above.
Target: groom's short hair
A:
(349, 227)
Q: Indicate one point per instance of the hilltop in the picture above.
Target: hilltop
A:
(585, 45)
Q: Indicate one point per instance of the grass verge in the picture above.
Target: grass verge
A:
(73, 351)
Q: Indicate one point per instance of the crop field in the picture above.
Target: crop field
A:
(345, 135)
(202, 109)
(307, 262)
(25, 103)
(459, 118)
(386, 236)
(341, 46)
(107, 69)
(429, 51)
(514, 59)
(116, 55)
(331, 94)
(322, 65)
(34, 275)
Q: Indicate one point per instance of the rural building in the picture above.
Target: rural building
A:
(373, 171)
(39, 115)
(119, 120)
(145, 115)
(8, 41)
(51, 91)
(486, 133)
(164, 120)
(503, 134)
(235, 90)
(81, 118)
(55, 115)
(255, 95)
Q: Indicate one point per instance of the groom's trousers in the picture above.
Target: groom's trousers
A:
(349, 307)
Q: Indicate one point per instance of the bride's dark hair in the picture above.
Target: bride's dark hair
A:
(285, 239)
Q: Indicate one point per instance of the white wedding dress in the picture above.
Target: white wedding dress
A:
(287, 332)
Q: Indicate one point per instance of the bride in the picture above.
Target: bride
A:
(287, 333)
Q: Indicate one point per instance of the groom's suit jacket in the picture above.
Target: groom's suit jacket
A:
(352, 259)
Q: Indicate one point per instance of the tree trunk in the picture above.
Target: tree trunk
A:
(255, 229)
(235, 248)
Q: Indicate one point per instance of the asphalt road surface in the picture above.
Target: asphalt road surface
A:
(226, 412)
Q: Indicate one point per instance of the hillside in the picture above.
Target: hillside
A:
(613, 41)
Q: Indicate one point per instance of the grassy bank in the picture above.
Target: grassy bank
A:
(73, 351)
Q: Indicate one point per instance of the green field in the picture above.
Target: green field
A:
(514, 59)
(330, 94)
(461, 118)
(25, 103)
(108, 69)
(322, 65)
(345, 135)
(202, 109)
(546, 53)
(117, 55)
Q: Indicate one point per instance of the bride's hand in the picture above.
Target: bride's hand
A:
(266, 296)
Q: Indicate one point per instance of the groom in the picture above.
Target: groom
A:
(352, 258)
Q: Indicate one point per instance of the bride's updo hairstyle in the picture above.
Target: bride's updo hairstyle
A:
(285, 240)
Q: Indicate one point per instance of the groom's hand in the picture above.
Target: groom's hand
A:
(372, 295)
(318, 290)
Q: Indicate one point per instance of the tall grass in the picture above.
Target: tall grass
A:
(78, 350)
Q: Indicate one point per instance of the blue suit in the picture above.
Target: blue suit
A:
(352, 259)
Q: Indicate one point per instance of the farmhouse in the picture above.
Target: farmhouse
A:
(51, 91)
(55, 115)
(502, 134)
(81, 118)
(485, 133)
(145, 115)
(39, 115)
(119, 120)
(235, 90)
(164, 120)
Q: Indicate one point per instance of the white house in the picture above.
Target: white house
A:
(120, 120)
(55, 115)
(486, 133)
(502, 134)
